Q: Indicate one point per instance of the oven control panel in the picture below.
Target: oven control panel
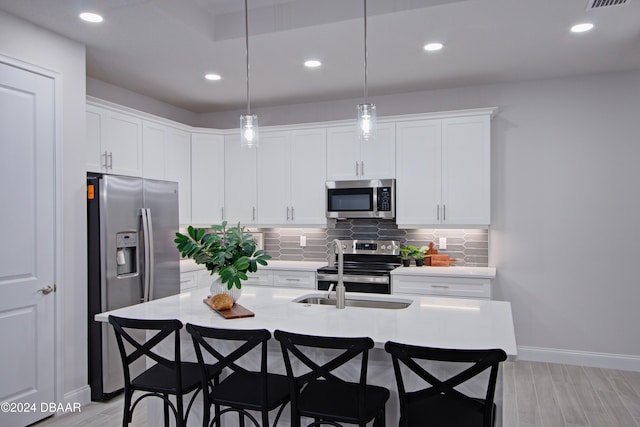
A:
(374, 247)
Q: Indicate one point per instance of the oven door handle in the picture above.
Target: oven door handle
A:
(384, 280)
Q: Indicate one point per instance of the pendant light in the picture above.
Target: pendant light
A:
(366, 111)
(248, 122)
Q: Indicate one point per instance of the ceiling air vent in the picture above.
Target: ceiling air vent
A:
(597, 4)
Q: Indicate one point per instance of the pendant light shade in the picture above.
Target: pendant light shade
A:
(249, 135)
(366, 112)
(366, 122)
(249, 130)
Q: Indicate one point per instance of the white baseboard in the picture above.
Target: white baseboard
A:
(582, 358)
(81, 395)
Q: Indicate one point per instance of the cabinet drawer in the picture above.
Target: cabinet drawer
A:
(188, 281)
(262, 277)
(295, 279)
(442, 286)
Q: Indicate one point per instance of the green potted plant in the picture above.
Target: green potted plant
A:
(406, 253)
(230, 252)
(419, 254)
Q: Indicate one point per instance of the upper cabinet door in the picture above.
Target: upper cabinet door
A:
(96, 157)
(274, 185)
(115, 142)
(207, 179)
(343, 153)
(419, 172)
(123, 137)
(308, 176)
(378, 157)
(153, 150)
(240, 182)
(349, 158)
(178, 168)
(466, 170)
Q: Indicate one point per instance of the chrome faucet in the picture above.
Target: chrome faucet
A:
(340, 286)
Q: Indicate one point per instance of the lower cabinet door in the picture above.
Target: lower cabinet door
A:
(295, 279)
(442, 286)
(261, 277)
(188, 281)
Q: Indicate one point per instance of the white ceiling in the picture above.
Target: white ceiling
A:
(162, 48)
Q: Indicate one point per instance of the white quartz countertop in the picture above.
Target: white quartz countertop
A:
(274, 264)
(480, 272)
(428, 321)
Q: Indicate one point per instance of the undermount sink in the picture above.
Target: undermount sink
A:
(356, 301)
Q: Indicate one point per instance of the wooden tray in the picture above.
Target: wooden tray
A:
(236, 312)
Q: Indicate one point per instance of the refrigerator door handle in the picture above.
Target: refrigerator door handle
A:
(146, 261)
(152, 262)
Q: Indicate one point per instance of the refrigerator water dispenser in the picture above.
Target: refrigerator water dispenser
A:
(126, 257)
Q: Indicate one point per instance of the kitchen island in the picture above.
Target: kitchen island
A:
(428, 321)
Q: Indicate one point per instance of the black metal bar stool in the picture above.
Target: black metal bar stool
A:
(242, 389)
(440, 404)
(323, 396)
(166, 377)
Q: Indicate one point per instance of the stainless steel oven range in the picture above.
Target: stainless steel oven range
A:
(367, 266)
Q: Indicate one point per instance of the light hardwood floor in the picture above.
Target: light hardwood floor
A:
(535, 395)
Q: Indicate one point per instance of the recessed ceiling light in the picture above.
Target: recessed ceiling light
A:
(581, 28)
(312, 63)
(91, 17)
(212, 77)
(432, 47)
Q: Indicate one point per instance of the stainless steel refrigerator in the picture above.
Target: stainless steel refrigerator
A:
(131, 225)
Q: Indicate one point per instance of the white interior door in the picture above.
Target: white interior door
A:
(27, 227)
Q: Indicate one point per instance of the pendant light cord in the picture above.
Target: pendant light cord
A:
(246, 40)
(366, 94)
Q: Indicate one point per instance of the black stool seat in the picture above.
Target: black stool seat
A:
(163, 380)
(442, 410)
(322, 397)
(241, 390)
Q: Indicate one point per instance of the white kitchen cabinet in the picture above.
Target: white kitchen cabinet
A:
(274, 178)
(349, 158)
(153, 151)
(167, 156)
(294, 279)
(461, 287)
(207, 179)
(443, 172)
(466, 170)
(308, 176)
(204, 278)
(260, 278)
(240, 198)
(418, 182)
(291, 177)
(114, 142)
(188, 281)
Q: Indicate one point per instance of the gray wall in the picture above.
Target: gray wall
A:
(565, 199)
(118, 95)
(31, 44)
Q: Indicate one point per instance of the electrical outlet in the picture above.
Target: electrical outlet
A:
(303, 241)
(442, 245)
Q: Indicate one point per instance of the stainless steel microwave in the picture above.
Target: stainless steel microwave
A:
(375, 198)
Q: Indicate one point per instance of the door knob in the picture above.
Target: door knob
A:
(46, 290)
